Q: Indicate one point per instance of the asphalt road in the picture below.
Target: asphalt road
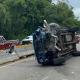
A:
(29, 69)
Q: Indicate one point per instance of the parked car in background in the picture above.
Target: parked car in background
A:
(27, 40)
(6, 44)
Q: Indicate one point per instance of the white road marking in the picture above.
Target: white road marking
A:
(45, 78)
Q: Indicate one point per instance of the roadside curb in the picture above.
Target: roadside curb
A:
(15, 57)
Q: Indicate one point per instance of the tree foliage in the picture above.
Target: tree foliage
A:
(19, 18)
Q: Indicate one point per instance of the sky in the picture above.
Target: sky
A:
(76, 7)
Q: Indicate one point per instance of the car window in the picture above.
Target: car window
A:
(27, 37)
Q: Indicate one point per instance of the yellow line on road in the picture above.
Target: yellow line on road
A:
(24, 46)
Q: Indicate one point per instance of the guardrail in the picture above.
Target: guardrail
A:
(18, 52)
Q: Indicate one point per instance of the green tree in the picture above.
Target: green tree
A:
(19, 18)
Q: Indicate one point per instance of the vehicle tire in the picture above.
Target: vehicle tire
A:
(58, 61)
(11, 49)
(77, 53)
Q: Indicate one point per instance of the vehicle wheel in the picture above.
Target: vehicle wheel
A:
(77, 53)
(11, 49)
(44, 64)
(58, 61)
